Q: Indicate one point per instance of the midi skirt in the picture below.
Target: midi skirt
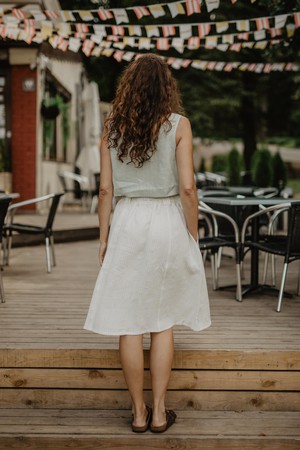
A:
(152, 276)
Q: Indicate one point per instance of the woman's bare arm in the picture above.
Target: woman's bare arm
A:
(185, 165)
(105, 196)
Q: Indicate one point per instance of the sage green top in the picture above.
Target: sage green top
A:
(158, 177)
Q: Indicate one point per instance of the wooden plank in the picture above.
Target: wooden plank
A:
(51, 442)
(180, 379)
(119, 399)
(108, 429)
(184, 359)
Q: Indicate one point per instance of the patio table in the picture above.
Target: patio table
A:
(235, 204)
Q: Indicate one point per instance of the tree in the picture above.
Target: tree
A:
(247, 106)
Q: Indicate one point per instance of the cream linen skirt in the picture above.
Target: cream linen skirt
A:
(152, 276)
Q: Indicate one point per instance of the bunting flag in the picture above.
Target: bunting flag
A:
(178, 30)
(193, 6)
(67, 16)
(104, 14)
(18, 13)
(168, 30)
(141, 11)
(120, 15)
(220, 66)
(175, 9)
(156, 11)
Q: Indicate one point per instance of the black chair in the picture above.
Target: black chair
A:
(10, 227)
(287, 246)
(216, 241)
(4, 204)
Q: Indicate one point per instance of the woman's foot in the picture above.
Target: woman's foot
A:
(170, 417)
(141, 420)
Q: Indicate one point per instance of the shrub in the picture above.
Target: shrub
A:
(234, 165)
(262, 168)
(219, 163)
(279, 175)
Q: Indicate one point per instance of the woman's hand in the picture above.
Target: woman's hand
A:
(102, 251)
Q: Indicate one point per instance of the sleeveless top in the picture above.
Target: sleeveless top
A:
(158, 177)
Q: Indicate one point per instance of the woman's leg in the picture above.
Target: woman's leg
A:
(161, 357)
(132, 360)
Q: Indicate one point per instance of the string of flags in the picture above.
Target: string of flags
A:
(64, 32)
(219, 66)
(177, 30)
(166, 36)
(119, 15)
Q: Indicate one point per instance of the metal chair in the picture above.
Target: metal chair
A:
(216, 241)
(21, 228)
(287, 245)
(76, 184)
(4, 204)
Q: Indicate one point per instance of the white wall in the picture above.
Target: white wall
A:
(68, 74)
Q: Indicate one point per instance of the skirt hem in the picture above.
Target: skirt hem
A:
(152, 330)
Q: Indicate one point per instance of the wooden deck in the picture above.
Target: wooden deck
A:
(61, 385)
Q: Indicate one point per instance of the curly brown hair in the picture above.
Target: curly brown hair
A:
(146, 96)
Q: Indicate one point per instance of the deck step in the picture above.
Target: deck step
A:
(90, 429)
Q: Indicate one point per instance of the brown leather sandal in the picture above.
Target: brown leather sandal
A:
(145, 427)
(170, 416)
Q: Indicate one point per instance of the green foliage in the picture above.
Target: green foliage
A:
(219, 163)
(5, 159)
(234, 166)
(279, 175)
(262, 168)
(202, 167)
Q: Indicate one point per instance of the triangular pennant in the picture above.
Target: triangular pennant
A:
(222, 26)
(243, 25)
(259, 35)
(193, 7)
(212, 4)
(105, 14)
(175, 9)
(141, 11)
(185, 31)
(100, 30)
(145, 43)
(168, 30)
(152, 31)
(162, 44)
(117, 30)
(121, 15)
(118, 55)
(280, 20)
(178, 44)
(46, 29)
(135, 30)
(67, 16)
(38, 15)
(157, 11)
(74, 44)
(64, 29)
(128, 56)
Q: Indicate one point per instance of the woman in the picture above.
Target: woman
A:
(152, 275)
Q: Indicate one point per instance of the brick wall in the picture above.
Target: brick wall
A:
(23, 133)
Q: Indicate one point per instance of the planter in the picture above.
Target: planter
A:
(6, 181)
(50, 112)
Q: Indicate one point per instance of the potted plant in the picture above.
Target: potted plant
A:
(50, 108)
